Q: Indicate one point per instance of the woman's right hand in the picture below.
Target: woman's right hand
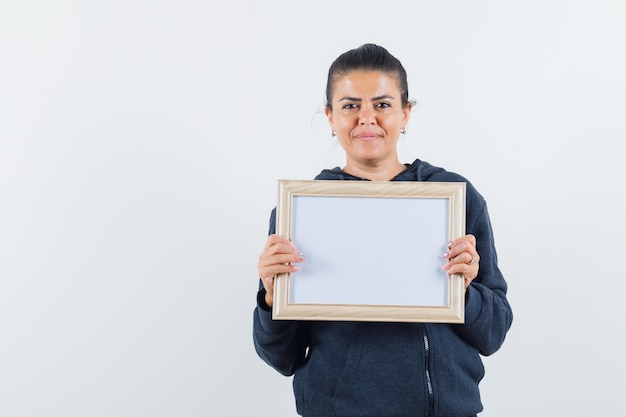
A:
(276, 258)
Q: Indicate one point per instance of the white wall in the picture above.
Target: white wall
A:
(141, 141)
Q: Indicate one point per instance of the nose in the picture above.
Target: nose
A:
(367, 116)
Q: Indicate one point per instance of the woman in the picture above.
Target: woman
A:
(385, 369)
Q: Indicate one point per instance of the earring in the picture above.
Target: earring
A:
(403, 131)
(333, 134)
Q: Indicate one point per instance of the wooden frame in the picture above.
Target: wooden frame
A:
(373, 251)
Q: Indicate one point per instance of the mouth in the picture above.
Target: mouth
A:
(367, 137)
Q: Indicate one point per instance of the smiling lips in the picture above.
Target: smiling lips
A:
(367, 136)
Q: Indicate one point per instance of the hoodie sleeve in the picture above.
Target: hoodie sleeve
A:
(281, 344)
(488, 315)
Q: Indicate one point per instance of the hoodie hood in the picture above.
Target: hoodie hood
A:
(417, 171)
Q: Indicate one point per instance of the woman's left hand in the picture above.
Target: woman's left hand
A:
(462, 258)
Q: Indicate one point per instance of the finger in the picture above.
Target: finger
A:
(276, 240)
(464, 263)
(279, 245)
(463, 244)
(268, 283)
(460, 258)
(468, 271)
(280, 258)
(467, 258)
(466, 239)
(276, 269)
(277, 256)
(270, 265)
(473, 259)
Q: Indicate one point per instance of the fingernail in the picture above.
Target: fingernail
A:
(301, 256)
(445, 255)
(450, 244)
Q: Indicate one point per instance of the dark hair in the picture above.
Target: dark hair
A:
(367, 57)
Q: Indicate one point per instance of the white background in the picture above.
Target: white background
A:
(141, 141)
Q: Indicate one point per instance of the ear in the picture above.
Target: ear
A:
(406, 112)
(329, 116)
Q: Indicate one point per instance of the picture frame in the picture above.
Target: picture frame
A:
(373, 251)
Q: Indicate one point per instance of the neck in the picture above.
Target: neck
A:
(375, 172)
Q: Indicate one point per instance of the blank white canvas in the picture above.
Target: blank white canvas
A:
(385, 251)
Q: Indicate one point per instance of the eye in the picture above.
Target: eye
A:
(383, 105)
(350, 106)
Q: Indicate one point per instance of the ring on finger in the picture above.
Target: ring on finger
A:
(471, 260)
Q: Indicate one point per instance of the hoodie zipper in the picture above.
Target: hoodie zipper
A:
(429, 384)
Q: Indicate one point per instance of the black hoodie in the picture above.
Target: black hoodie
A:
(352, 369)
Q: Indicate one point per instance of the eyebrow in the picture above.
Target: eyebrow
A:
(378, 98)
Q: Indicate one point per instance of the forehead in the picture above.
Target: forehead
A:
(366, 84)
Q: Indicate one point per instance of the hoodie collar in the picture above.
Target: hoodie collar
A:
(417, 171)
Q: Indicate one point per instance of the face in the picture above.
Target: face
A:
(367, 115)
